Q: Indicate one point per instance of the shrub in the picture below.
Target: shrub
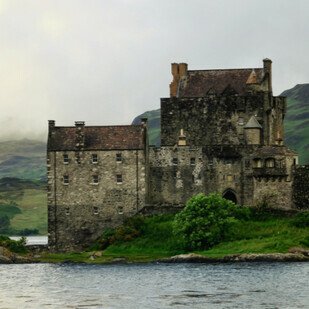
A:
(17, 246)
(301, 219)
(206, 220)
(132, 228)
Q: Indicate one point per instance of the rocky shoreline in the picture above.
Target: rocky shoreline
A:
(245, 257)
(295, 254)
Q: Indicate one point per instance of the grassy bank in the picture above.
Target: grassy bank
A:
(261, 234)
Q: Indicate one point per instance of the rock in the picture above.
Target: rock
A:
(299, 250)
(5, 259)
(97, 254)
(246, 257)
(119, 260)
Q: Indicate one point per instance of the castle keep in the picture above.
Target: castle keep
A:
(221, 131)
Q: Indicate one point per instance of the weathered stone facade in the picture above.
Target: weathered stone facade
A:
(221, 131)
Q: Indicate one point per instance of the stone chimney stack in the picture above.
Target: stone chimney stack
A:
(268, 72)
(80, 134)
(179, 70)
(51, 126)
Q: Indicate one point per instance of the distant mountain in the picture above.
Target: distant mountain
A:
(297, 120)
(24, 159)
(154, 125)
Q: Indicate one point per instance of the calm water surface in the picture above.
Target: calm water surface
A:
(243, 285)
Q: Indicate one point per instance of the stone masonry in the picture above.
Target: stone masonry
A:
(221, 131)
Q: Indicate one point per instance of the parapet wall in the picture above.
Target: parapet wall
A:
(301, 187)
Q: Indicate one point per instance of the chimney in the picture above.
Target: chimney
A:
(178, 70)
(51, 124)
(183, 69)
(182, 141)
(268, 72)
(79, 134)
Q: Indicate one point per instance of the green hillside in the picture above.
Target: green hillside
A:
(297, 120)
(154, 125)
(23, 159)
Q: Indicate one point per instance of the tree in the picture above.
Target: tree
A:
(205, 221)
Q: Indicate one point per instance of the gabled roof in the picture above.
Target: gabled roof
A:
(98, 138)
(197, 83)
(253, 124)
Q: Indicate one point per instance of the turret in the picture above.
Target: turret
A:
(253, 131)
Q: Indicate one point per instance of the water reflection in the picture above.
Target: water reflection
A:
(256, 285)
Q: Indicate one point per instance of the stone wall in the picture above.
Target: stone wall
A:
(301, 187)
(93, 198)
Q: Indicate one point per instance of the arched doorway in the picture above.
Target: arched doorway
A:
(230, 195)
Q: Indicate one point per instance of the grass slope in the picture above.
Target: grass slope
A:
(275, 234)
(28, 202)
(297, 120)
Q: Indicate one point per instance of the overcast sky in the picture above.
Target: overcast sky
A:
(106, 61)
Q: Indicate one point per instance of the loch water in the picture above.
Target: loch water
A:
(231, 285)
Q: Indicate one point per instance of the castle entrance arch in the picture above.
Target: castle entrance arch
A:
(230, 195)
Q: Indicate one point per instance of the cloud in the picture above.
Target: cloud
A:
(107, 61)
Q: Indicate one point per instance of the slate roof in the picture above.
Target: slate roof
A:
(197, 83)
(274, 150)
(98, 138)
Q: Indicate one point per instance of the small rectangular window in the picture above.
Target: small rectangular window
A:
(118, 157)
(120, 210)
(119, 178)
(95, 210)
(67, 211)
(174, 174)
(241, 121)
(94, 158)
(65, 179)
(192, 161)
(66, 159)
(175, 161)
(95, 179)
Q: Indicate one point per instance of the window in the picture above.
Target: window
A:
(270, 162)
(120, 210)
(118, 157)
(174, 174)
(257, 163)
(119, 178)
(66, 159)
(67, 211)
(65, 179)
(95, 179)
(241, 121)
(175, 161)
(192, 161)
(94, 158)
(95, 210)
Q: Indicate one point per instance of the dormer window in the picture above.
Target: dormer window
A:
(65, 158)
(118, 157)
(257, 163)
(94, 158)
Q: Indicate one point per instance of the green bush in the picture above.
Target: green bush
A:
(132, 228)
(4, 224)
(206, 221)
(17, 246)
(301, 219)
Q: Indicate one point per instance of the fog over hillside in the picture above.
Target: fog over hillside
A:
(107, 61)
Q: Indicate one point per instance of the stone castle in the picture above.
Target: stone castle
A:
(221, 131)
